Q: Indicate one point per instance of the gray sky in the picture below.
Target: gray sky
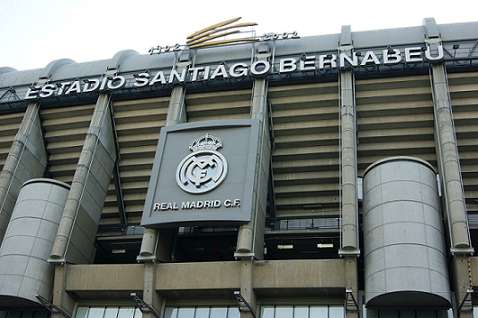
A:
(33, 33)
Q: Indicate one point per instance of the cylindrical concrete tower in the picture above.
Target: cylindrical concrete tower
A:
(405, 259)
(24, 271)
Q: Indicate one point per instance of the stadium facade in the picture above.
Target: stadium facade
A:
(271, 177)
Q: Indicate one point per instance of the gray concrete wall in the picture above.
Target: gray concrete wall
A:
(299, 274)
(180, 278)
(83, 279)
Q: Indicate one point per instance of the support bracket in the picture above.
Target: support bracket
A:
(243, 305)
(465, 299)
(51, 308)
(144, 307)
(350, 296)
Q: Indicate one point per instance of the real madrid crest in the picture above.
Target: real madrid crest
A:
(205, 168)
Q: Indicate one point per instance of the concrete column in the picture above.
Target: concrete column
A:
(26, 160)
(349, 248)
(61, 298)
(348, 130)
(157, 243)
(453, 194)
(149, 291)
(449, 163)
(251, 235)
(351, 283)
(74, 242)
(246, 286)
(259, 100)
(149, 242)
(250, 239)
(176, 115)
(177, 107)
(460, 268)
(349, 202)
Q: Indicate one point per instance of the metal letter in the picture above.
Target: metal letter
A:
(257, 71)
(116, 79)
(47, 90)
(327, 59)
(391, 57)
(75, 87)
(32, 93)
(141, 80)
(439, 57)
(352, 61)
(287, 65)
(220, 71)
(307, 64)
(413, 54)
(370, 58)
(91, 85)
(159, 77)
(242, 70)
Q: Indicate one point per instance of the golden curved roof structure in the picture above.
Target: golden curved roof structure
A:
(206, 37)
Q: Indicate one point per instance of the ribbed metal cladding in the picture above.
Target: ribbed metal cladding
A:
(305, 157)
(394, 118)
(65, 130)
(137, 127)
(463, 88)
(233, 104)
(405, 255)
(10, 124)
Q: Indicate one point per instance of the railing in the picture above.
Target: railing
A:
(330, 223)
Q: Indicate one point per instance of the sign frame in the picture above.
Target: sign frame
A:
(231, 202)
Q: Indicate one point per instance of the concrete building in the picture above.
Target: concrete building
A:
(271, 177)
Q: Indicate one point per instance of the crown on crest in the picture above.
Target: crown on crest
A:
(206, 142)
